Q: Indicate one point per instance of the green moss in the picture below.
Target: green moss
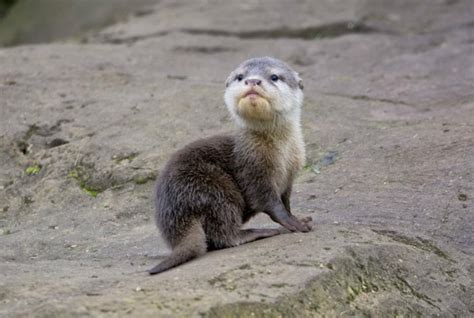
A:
(73, 174)
(94, 181)
(33, 170)
(83, 177)
(144, 179)
(91, 192)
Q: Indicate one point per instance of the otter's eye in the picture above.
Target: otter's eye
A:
(274, 77)
(239, 77)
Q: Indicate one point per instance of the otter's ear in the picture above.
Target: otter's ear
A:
(299, 80)
(229, 79)
(300, 84)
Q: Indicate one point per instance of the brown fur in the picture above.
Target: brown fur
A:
(212, 187)
(209, 189)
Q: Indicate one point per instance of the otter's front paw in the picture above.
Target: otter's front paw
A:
(294, 224)
(304, 223)
(308, 221)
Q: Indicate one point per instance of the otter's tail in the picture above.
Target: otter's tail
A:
(192, 245)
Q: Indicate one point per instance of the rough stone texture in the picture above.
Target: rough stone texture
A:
(389, 127)
(41, 21)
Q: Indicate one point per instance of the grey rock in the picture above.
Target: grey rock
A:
(393, 214)
(40, 21)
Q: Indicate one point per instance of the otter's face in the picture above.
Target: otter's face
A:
(261, 89)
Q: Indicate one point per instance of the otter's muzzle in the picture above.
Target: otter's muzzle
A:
(253, 82)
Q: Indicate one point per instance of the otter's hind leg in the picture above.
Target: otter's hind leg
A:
(243, 236)
(250, 235)
(192, 245)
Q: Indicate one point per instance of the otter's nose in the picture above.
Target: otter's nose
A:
(253, 81)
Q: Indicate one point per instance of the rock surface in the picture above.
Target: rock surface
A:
(41, 21)
(389, 127)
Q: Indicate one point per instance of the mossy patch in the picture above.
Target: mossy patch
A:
(83, 175)
(93, 180)
(91, 192)
(344, 289)
(33, 170)
(144, 179)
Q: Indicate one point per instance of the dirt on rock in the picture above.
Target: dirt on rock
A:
(388, 121)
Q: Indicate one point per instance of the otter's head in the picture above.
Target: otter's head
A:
(263, 90)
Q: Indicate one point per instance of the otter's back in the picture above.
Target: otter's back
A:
(193, 182)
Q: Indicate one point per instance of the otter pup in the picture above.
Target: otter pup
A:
(213, 186)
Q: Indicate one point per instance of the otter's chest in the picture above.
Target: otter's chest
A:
(288, 158)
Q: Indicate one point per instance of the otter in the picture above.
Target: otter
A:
(211, 187)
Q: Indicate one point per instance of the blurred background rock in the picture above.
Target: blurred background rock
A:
(40, 21)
